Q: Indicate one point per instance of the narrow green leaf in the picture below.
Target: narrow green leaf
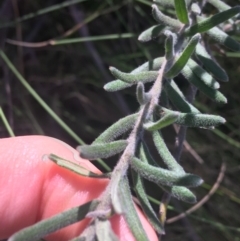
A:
(165, 154)
(177, 98)
(213, 21)
(88, 234)
(130, 213)
(215, 95)
(132, 78)
(116, 85)
(105, 150)
(203, 75)
(164, 100)
(145, 154)
(169, 3)
(199, 120)
(104, 231)
(181, 193)
(196, 120)
(52, 224)
(116, 201)
(181, 10)
(221, 37)
(184, 57)
(221, 6)
(210, 64)
(75, 167)
(154, 64)
(117, 129)
(142, 97)
(164, 19)
(145, 204)
(120, 85)
(164, 121)
(151, 33)
(162, 176)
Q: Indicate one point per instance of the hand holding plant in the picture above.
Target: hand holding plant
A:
(33, 188)
(162, 105)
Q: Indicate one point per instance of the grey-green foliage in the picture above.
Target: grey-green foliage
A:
(185, 55)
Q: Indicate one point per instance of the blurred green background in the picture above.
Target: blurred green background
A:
(63, 50)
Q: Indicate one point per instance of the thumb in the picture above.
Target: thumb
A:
(33, 189)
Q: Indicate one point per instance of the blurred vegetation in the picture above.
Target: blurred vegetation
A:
(63, 52)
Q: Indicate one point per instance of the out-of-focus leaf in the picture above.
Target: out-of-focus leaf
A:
(151, 33)
(116, 201)
(215, 95)
(181, 10)
(169, 3)
(164, 19)
(210, 64)
(221, 37)
(104, 231)
(195, 8)
(208, 23)
(203, 75)
(221, 6)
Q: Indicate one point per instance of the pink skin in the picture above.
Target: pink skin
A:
(33, 188)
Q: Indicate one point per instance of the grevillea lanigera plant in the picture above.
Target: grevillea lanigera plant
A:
(162, 105)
